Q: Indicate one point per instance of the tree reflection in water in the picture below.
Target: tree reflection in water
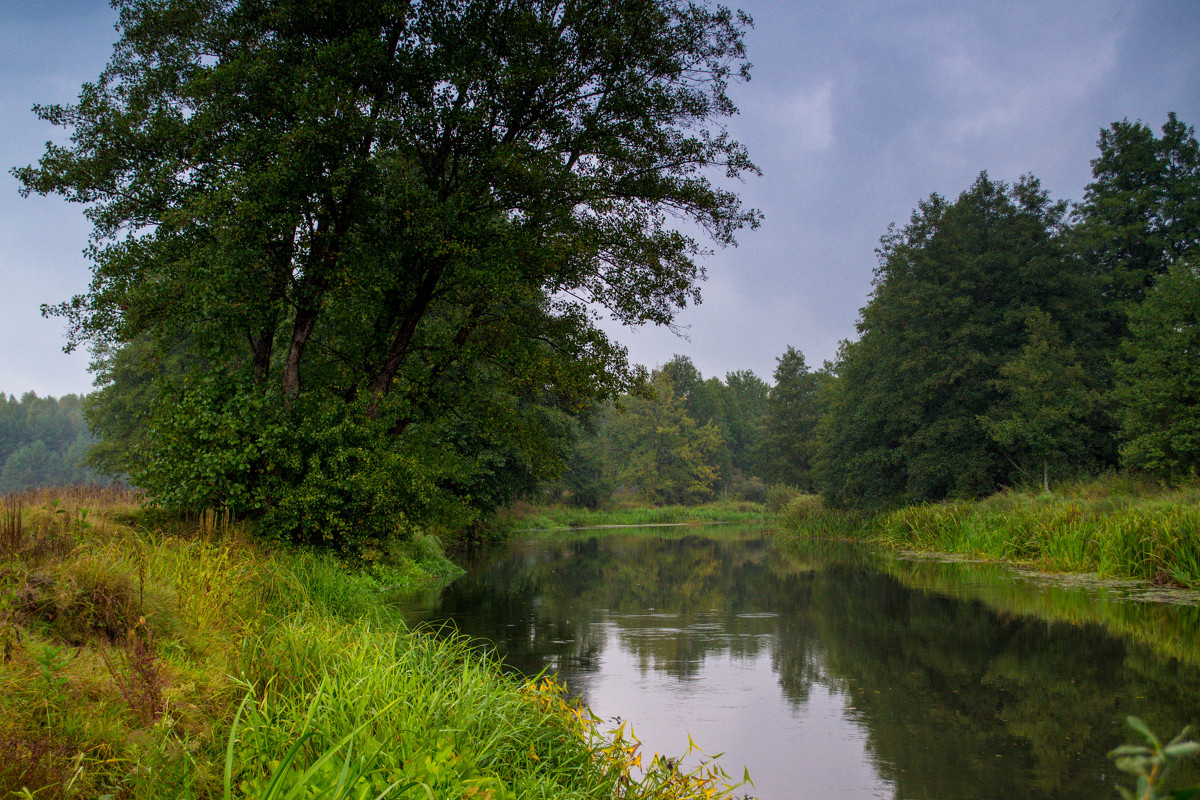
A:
(939, 694)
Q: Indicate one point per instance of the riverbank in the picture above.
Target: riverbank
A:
(524, 517)
(1115, 527)
(144, 657)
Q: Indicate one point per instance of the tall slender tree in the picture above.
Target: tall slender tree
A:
(790, 424)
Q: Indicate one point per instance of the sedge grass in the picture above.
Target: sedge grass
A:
(1115, 528)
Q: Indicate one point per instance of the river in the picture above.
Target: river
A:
(830, 672)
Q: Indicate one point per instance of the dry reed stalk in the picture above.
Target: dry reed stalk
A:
(10, 525)
(216, 523)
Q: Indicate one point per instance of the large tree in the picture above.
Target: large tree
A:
(1158, 378)
(1140, 220)
(1141, 213)
(952, 293)
(355, 225)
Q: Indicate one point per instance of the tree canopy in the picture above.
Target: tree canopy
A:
(357, 227)
(1006, 342)
(952, 293)
(1141, 213)
(1159, 377)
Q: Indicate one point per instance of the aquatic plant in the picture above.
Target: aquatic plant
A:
(1153, 762)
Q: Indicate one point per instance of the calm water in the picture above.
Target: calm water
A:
(829, 673)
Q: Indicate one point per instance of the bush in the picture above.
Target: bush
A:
(779, 496)
(308, 473)
(749, 488)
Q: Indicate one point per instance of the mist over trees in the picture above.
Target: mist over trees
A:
(43, 442)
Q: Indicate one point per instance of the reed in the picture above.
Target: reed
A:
(11, 523)
(1116, 529)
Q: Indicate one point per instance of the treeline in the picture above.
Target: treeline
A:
(1009, 339)
(687, 439)
(43, 442)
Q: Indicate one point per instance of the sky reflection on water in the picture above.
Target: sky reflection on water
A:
(732, 704)
(825, 675)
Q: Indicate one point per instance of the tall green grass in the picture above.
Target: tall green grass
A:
(1113, 527)
(808, 517)
(150, 658)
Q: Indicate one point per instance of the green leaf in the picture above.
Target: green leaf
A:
(1130, 750)
(1185, 794)
(1182, 736)
(229, 748)
(1182, 749)
(1141, 728)
(1135, 765)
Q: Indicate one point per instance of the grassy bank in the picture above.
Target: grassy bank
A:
(524, 517)
(147, 658)
(1115, 527)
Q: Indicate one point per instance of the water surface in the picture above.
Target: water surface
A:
(828, 672)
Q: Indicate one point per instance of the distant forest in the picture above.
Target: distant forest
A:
(43, 442)
(1010, 339)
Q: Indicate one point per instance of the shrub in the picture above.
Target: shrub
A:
(779, 496)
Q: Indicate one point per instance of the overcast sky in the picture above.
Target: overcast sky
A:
(856, 111)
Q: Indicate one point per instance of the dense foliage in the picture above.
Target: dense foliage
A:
(794, 405)
(43, 442)
(348, 269)
(1010, 340)
(959, 293)
(683, 440)
(339, 253)
(1159, 378)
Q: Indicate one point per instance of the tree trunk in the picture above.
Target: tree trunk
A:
(1045, 475)
(261, 353)
(306, 320)
(381, 384)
